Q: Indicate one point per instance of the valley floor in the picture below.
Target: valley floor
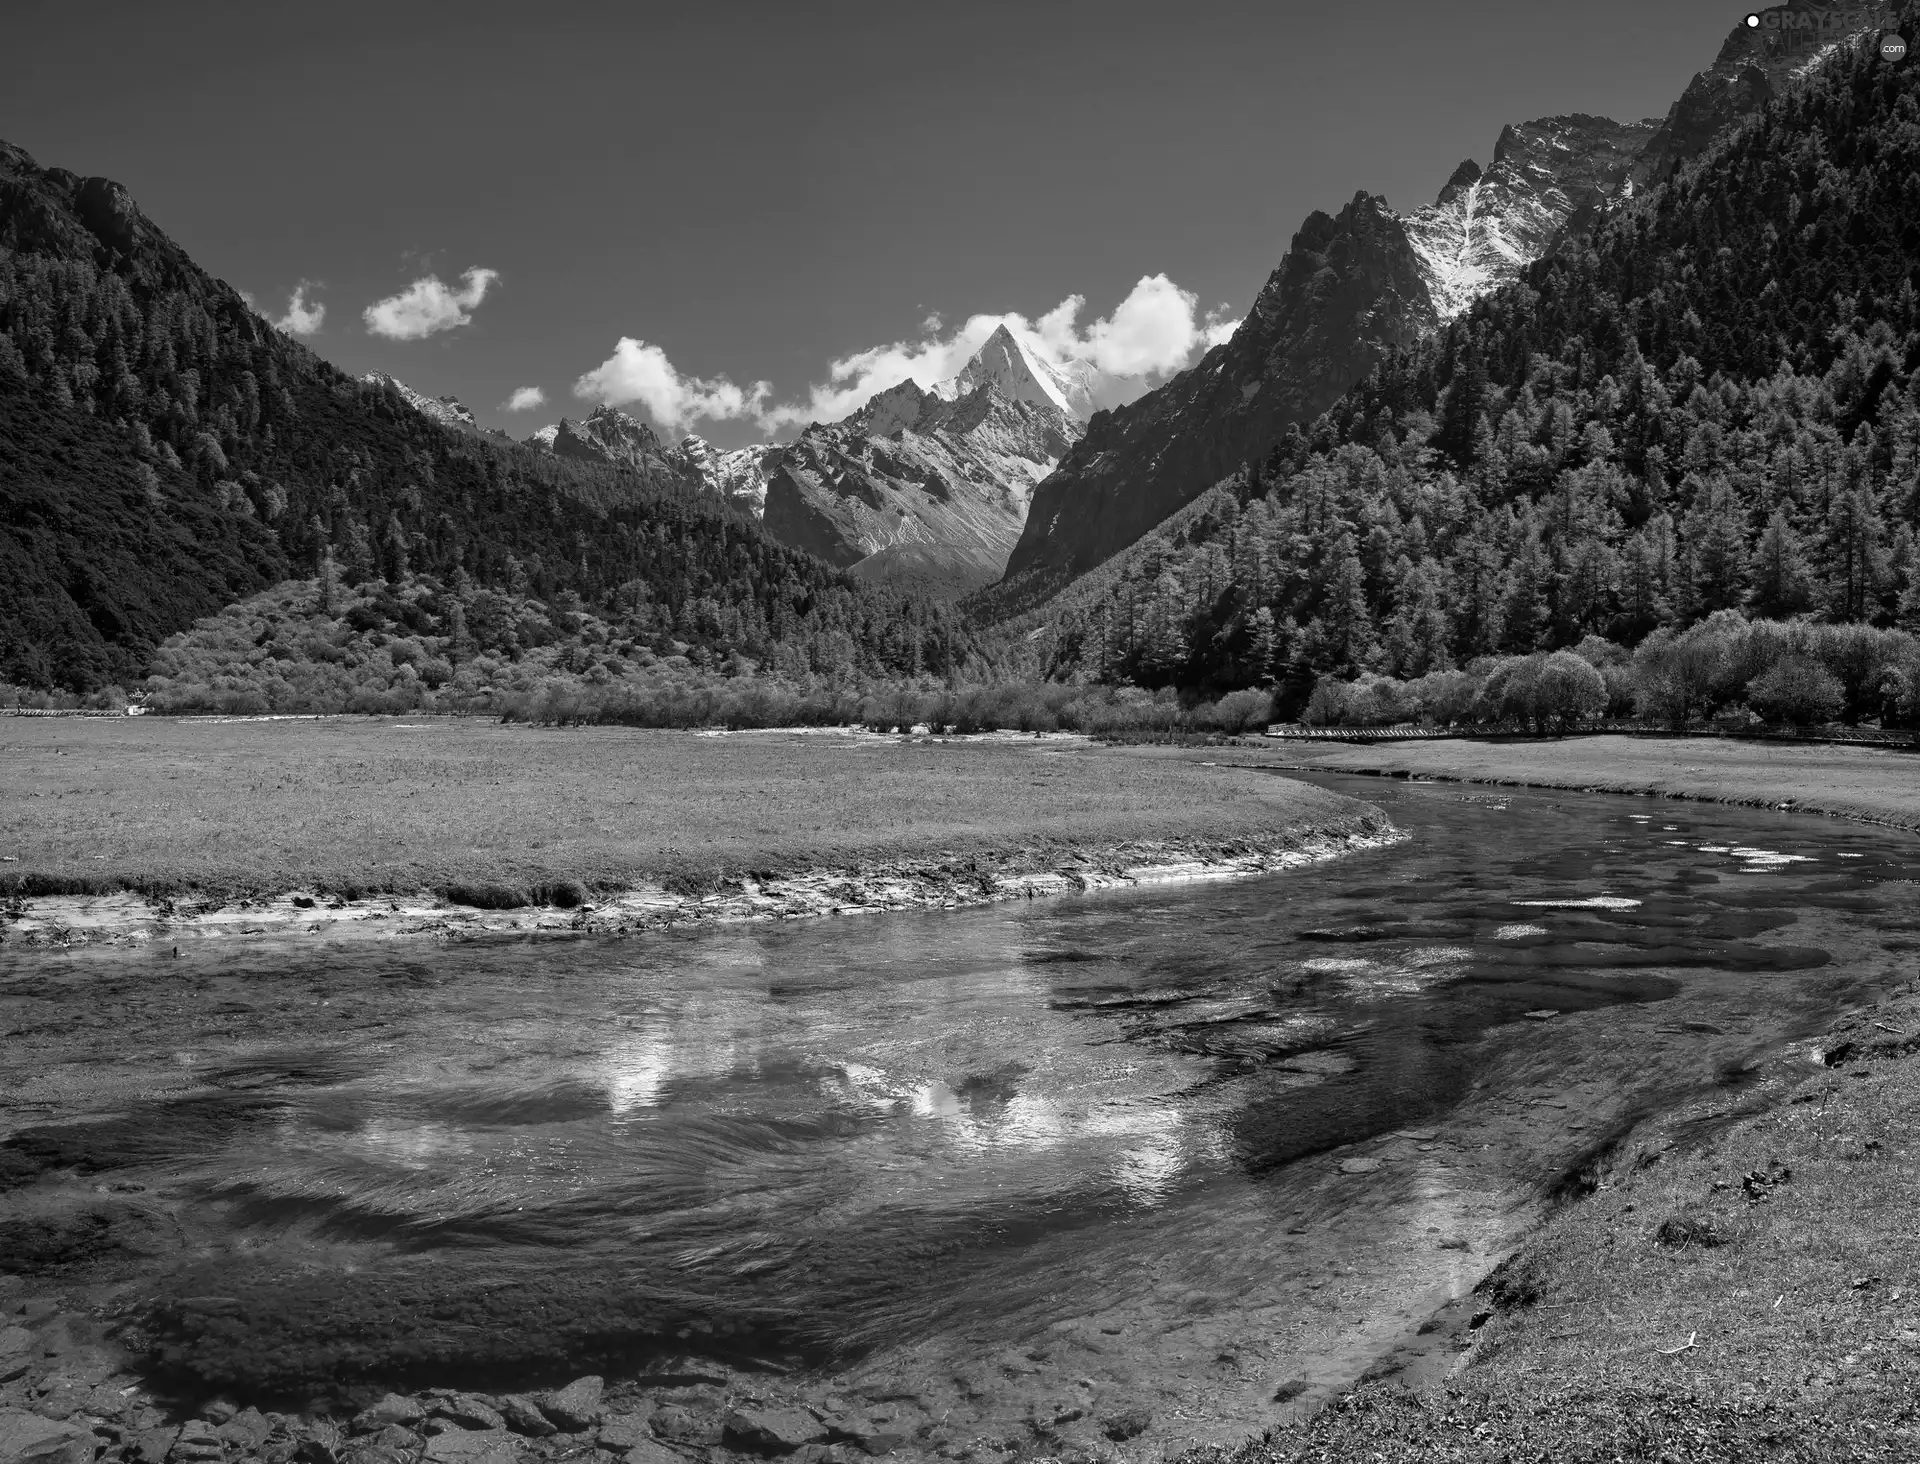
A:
(152, 827)
(1744, 1280)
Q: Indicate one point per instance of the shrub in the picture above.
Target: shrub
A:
(1798, 691)
(488, 896)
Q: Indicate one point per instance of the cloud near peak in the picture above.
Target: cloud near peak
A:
(301, 319)
(427, 306)
(638, 371)
(1152, 333)
(524, 399)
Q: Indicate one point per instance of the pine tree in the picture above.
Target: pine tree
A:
(1782, 580)
(1716, 550)
(1524, 608)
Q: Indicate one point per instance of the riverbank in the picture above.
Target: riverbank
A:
(358, 827)
(1737, 1279)
(1868, 785)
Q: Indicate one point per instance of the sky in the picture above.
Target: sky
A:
(739, 217)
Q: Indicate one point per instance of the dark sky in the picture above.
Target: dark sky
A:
(758, 188)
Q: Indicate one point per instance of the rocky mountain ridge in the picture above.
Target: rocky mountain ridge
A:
(924, 487)
(446, 410)
(916, 488)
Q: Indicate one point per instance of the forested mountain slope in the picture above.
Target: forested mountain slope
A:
(1354, 288)
(1716, 405)
(164, 451)
(1349, 289)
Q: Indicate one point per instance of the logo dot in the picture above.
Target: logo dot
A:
(1753, 21)
(1893, 48)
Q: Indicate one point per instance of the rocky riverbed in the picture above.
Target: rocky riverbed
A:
(73, 1396)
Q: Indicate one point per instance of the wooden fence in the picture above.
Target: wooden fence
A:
(62, 712)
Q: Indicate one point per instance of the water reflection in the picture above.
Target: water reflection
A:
(872, 1133)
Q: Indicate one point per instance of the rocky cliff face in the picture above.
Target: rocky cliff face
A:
(1350, 289)
(1485, 227)
(738, 474)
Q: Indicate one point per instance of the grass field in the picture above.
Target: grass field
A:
(375, 805)
(1874, 786)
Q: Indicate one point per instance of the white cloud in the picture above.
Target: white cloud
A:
(426, 306)
(301, 319)
(639, 372)
(524, 399)
(1155, 331)
(1218, 330)
(1152, 333)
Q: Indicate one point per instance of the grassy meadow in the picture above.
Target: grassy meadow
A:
(373, 805)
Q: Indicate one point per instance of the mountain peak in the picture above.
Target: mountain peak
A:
(1005, 362)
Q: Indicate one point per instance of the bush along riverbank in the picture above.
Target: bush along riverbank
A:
(1741, 1281)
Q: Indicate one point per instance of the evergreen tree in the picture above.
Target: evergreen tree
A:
(1782, 580)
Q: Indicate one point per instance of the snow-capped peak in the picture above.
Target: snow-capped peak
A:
(1022, 375)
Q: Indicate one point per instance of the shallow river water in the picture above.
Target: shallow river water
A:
(1155, 1155)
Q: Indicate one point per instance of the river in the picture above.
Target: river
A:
(1146, 1166)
